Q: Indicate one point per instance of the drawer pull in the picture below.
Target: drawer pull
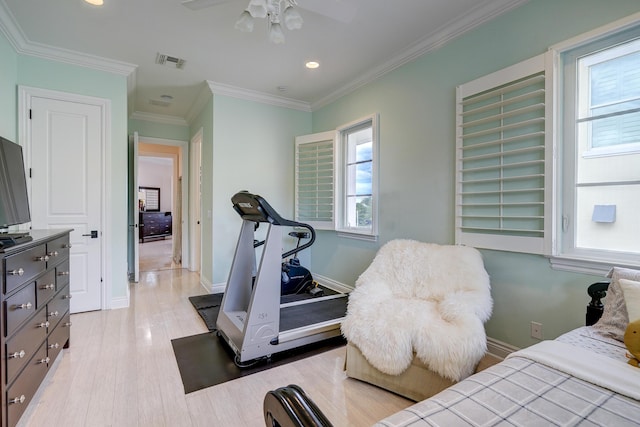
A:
(67, 296)
(18, 272)
(63, 273)
(17, 355)
(43, 325)
(45, 360)
(42, 258)
(20, 399)
(26, 306)
(54, 313)
(49, 286)
(67, 246)
(56, 345)
(67, 324)
(53, 253)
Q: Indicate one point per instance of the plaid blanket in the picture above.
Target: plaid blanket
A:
(523, 392)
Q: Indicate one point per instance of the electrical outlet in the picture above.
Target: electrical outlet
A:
(536, 330)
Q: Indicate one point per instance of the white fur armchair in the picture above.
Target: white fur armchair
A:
(421, 301)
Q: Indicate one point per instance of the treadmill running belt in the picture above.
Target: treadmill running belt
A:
(297, 316)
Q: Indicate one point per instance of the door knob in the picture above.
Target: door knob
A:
(93, 234)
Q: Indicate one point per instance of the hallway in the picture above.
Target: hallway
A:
(157, 255)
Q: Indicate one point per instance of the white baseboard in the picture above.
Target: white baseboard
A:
(332, 284)
(499, 348)
(217, 288)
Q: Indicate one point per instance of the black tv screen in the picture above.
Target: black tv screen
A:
(14, 201)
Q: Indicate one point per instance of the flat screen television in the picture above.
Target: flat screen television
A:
(14, 200)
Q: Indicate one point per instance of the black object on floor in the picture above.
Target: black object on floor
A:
(207, 306)
(205, 360)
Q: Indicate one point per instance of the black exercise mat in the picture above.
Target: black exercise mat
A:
(207, 307)
(205, 360)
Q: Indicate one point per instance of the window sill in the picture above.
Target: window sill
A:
(587, 266)
(358, 236)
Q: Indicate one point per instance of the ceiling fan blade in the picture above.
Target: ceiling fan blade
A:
(201, 4)
(340, 10)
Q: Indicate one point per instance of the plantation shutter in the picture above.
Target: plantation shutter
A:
(504, 159)
(315, 180)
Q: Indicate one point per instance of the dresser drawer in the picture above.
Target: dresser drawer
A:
(20, 393)
(62, 274)
(22, 346)
(19, 306)
(59, 337)
(58, 307)
(45, 288)
(58, 250)
(24, 266)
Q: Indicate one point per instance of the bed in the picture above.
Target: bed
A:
(580, 378)
(556, 382)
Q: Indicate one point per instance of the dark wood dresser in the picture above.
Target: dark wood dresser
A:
(35, 318)
(154, 225)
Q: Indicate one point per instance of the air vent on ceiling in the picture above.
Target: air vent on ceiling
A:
(159, 103)
(163, 59)
(201, 4)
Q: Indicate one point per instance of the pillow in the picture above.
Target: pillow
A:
(631, 291)
(614, 318)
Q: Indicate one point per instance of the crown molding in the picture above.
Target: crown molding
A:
(252, 95)
(159, 118)
(443, 35)
(24, 46)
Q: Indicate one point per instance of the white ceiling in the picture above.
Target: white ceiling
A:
(124, 36)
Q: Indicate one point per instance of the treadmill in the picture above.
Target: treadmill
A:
(252, 319)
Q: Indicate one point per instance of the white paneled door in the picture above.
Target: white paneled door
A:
(65, 139)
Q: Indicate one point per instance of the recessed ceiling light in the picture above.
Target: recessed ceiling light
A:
(312, 64)
(95, 2)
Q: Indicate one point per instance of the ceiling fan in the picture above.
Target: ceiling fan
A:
(340, 10)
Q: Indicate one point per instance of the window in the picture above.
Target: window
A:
(359, 184)
(503, 159)
(315, 180)
(600, 137)
(336, 180)
(547, 154)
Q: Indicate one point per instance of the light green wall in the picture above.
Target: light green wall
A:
(159, 130)
(8, 91)
(416, 103)
(45, 74)
(253, 148)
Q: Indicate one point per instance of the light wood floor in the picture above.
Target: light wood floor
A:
(157, 255)
(120, 370)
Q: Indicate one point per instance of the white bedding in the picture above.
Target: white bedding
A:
(619, 376)
(588, 338)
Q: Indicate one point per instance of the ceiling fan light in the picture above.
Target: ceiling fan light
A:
(292, 19)
(258, 8)
(275, 34)
(245, 22)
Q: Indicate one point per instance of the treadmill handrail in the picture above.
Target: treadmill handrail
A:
(252, 207)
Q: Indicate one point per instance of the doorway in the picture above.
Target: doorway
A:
(161, 208)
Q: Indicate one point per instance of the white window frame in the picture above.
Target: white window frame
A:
(566, 256)
(342, 225)
(327, 157)
(499, 234)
